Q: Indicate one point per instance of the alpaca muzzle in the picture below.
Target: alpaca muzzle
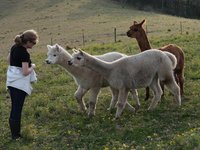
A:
(69, 62)
(128, 33)
(47, 61)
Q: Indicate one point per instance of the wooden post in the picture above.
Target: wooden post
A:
(115, 34)
(83, 37)
(181, 27)
(51, 41)
(146, 30)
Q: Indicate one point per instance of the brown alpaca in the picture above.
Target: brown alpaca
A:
(137, 31)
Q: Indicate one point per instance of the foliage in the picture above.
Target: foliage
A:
(184, 8)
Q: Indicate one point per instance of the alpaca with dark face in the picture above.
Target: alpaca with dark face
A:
(137, 31)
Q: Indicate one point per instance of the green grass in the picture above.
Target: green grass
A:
(52, 119)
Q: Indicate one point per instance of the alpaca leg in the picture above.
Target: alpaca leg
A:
(162, 87)
(181, 82)
(113, 102)
(121, 103)
(176, 77)
(115, 93)
(130, 107)
(93, 100)
(135, 97)
(80, 92)
(155, 86)
(172, 85)
(147, 94)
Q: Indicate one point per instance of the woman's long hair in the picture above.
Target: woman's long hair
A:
(28, 35)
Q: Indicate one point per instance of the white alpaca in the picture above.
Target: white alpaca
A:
(142, 70)
(85, 78)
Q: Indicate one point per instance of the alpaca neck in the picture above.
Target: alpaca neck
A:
(143, 42)
(98, 65)
(63, 58)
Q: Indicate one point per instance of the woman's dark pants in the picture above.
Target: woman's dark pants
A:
(17, 101)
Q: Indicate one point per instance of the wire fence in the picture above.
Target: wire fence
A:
(117, 35)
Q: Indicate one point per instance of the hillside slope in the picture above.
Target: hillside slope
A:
(64, 21)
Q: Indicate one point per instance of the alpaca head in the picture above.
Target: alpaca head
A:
(55, 53)
(135, 30)
(77, 58)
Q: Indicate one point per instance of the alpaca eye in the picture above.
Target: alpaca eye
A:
(54, 55)
(135, 29)
(79, 58)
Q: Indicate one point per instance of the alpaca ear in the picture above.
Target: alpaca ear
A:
(49, 47)
(57, 47)
(74, 50)
(80, 51)
(135, 22)
(68, 47)
(143, 21)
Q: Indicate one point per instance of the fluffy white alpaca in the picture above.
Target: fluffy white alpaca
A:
(137, 71)
(85, 78)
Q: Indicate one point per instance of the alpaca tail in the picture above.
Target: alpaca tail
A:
(172, 58)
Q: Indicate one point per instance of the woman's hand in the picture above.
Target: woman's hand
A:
(25, 68)
(33, 65)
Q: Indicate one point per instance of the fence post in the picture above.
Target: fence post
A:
(146, 29)
(51, 41)
(115, 34)
(181, 27)
(83, 37)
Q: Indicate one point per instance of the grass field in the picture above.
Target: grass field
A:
(51, 117)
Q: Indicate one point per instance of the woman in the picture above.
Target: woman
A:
(20, 74)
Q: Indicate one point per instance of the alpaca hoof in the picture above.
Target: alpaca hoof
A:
(163, 97)
(84, 110)
(137, 107)
(178, 102)
(91, 115)
(82, 107)
(150, 109)
(133, 110)
(183, 98)
(109, 109)
(117, 116)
